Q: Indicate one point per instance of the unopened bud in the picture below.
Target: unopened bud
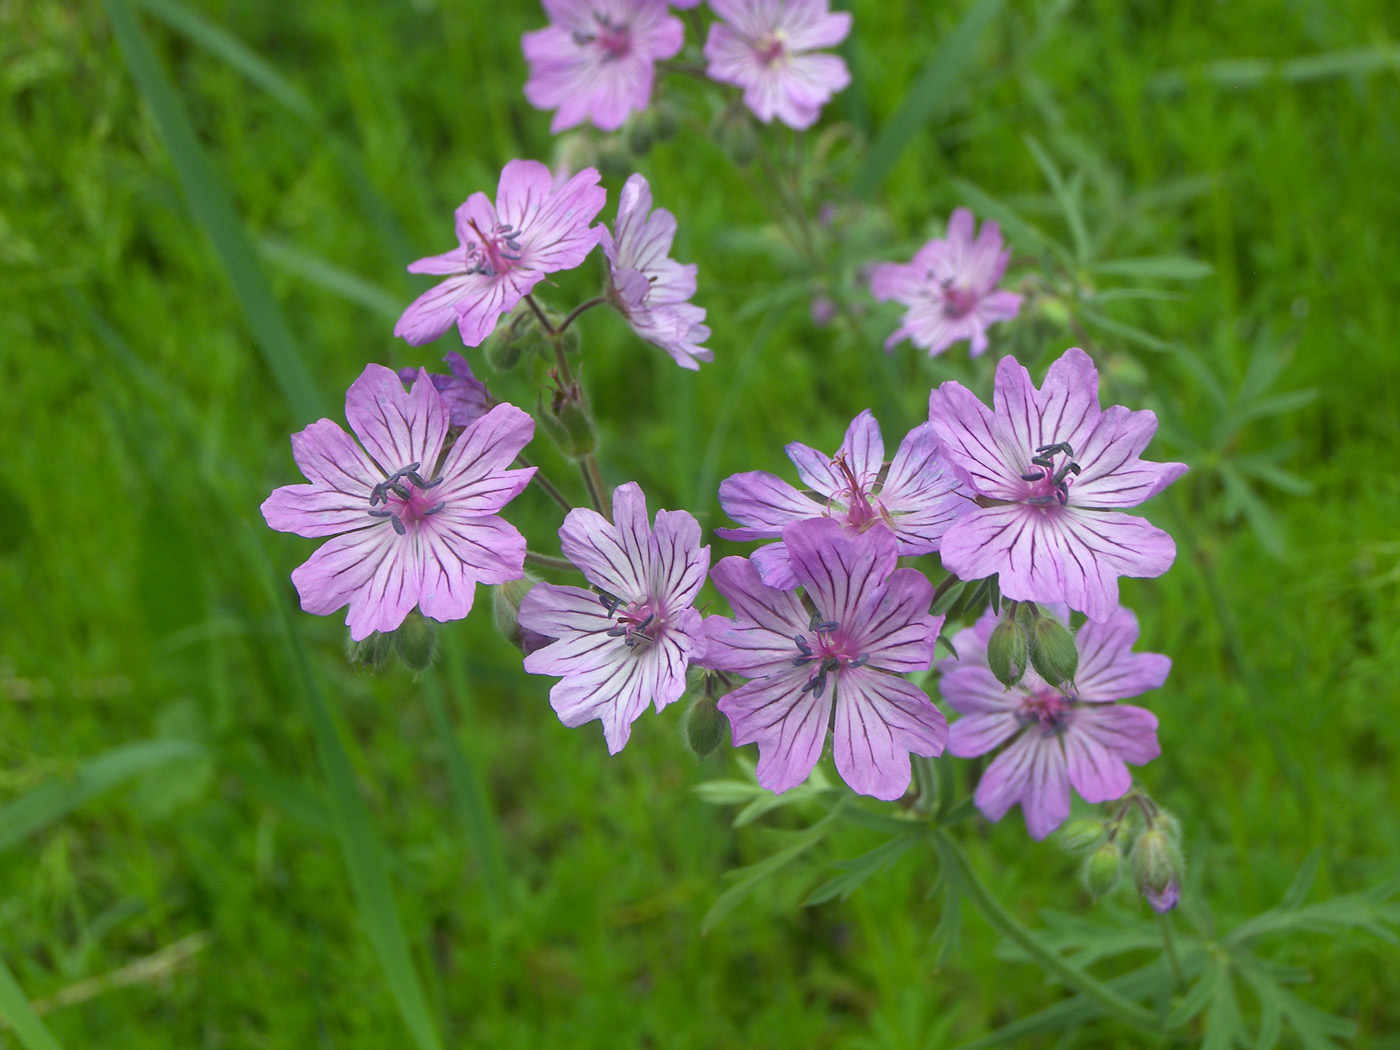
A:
(705, 726)
(505, 613)
(568, 422)
(1102, 868)
(372, 653)
(1053, 652)
(416, 641)
(508, 343)
(614, 159)
(1006, 651)
(734, 130)
(665, 122)
(1080, 835)
(639, 135)
(1157, 868)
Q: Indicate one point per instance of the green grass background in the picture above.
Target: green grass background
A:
(202, 900)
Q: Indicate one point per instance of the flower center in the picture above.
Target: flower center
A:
(613, 39)
(405, 498)
(958, 302)
(859, 511)
(770, 48)
(1054, 470)
(1046, 709)
(641, 621)
(825, 652)
(494, 253)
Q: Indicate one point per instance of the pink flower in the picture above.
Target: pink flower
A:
(1050, 469)
(1057, 740)
(412, 525)
(915, 498)
(628, 644)
(596, 59)
(763, 46)
(871, 625)
(650, 288)
(950, 288)
(505, 250)
(466, 396)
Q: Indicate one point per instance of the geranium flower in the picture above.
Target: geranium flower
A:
(871, 624)
(1057, 739)
(916, 498)
(412, 525)
(466, 396)
(950, 288)
(629, 643)
(504, 250)
(1049, 469)
(650, 288)
(595, 60)
(764, 47)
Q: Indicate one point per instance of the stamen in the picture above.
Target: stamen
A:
(398, 526)
(827, 625)
(381, 514)
(860, 661)
(433, 510)
(801, 642)
(434, 483)
(609, 601)
(617, 632)
(1031, 477)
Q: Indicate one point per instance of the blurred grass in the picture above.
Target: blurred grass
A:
(143, 430)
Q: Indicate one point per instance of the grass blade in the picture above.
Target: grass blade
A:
(349, 286)
(923, 100)
(54, 800)
(365, 856)
(20, 1015)
(213, 210)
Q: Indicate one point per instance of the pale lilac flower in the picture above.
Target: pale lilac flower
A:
(504, 250)
(628, 644)
(916, 497)
(764, 47)
(871, 624)
(950, 288)
(1166, 899)
(1050, 469)
(412, 525)
(650, 288)
(596, 59)
(1057, 740)
(466, 396)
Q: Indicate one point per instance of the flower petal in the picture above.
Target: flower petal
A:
(840, 573)
(788, 725)
(397, 427)
(880, 721)
(1032, 772)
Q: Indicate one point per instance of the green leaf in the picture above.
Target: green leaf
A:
(1156, 267)
(1224, 1026)
(1298, 889)
(54, 800)
(750, 878)
(728, 792)
(925, 97)
(858, 869)
(1067, 194)
(1132, 334)
(20, 1015)
(213, 210)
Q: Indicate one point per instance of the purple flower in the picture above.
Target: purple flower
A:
(628, 644)
(763, 46)
(950, 288)
(595, 60)
(1057, 740)
(916, 498)
(1165, 899)
(650, 288)
(871, 624)
(505, 250)
(412, 525)
(1049, 469)
(466, 396)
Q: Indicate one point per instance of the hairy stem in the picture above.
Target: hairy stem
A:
(546, 561)
(597, 300)
(544, 483)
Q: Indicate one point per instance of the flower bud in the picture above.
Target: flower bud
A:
(1157, 868)
(372, 653)
(614, 159)
(568, 422)
(705, 726)
(505, 613)
(416, 641)
(639, 135)
(1053, 652)
(734, 130)
(1006, 651)
(508, 343)
(1102, 868)
(1083, 834)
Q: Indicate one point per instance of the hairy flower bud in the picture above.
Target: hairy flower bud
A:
(1083, 834)
(1006, 650)
(1157, 868)
(1102, 868)
(734, 130)
(1052, 650)
(505, 613)
(508, 343)
(372, 653)
(705, 727)
(568, 422)
(416, 641)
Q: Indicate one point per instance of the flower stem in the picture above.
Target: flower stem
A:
(546, 561)
(589, 304)
(549, 329)
(957, 866)
(926, 781)
(1169, 942)
(544, 483)
(594, 477)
